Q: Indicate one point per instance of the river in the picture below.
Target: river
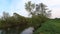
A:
(28, 30)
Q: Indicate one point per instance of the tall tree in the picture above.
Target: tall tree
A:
(42, 10)
(5, 15)
(39, 13)
(29, 7)
(37, 9)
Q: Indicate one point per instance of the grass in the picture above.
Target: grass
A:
(49, 27)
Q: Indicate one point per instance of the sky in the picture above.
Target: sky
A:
(17, 6)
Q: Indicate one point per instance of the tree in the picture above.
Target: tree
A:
(37, 9)
(9, 23)
(41, 9)
(40, 13)
(5, 15)
(29, 7)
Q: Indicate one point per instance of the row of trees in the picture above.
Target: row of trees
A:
(17, 23)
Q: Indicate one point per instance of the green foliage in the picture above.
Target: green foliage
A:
(16, 21)
(39, 14)
(49, 27)
(11, 21)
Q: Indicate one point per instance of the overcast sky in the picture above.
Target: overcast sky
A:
(17, 6)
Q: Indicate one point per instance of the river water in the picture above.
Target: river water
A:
(28, 30)
(0, 31)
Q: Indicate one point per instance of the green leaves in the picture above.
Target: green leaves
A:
(11, 21)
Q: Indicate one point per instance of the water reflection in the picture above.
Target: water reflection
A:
(0, 31)
(28, 31)
(14, 31)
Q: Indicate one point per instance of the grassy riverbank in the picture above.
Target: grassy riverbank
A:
(49, 27)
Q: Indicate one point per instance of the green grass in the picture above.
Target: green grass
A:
(49, 27)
